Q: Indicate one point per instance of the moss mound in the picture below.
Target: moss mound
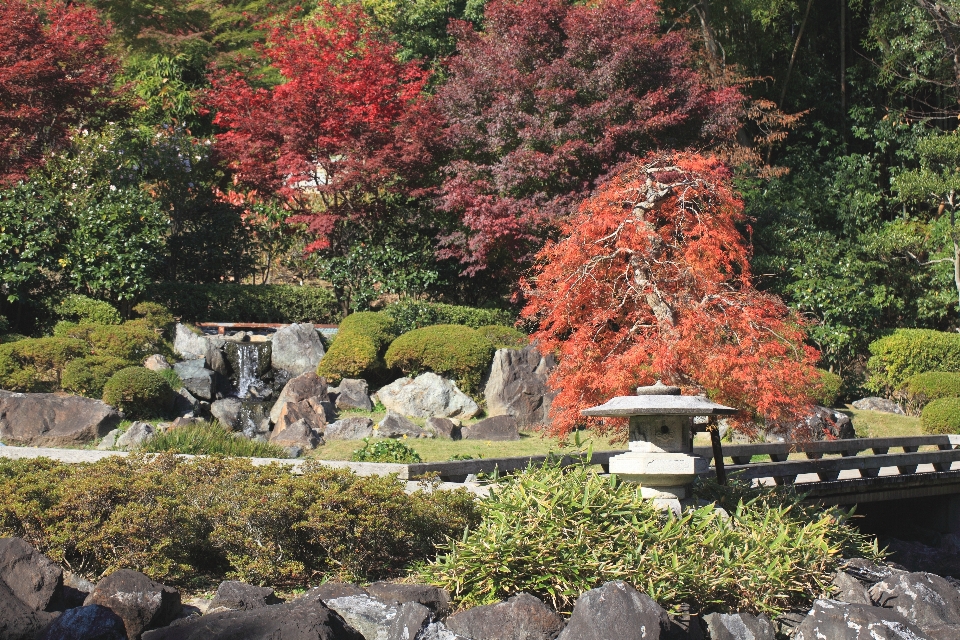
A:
(941, 416)
(933, 385)
(138, 393)
(446, 349)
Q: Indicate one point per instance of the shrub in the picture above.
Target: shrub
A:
(155, 316)
(183, 521)
(244, 302)
(828, 391)
(907, 352)
(358, 347)
(138, 393)
(133, 340)
(446, 349)
(413, 314)
(206, 438)
(941, 416)
(933, 385)
(559, 532)
(36, 364)
(86, 310)
(503, 337)
(87, 376)
(388, 450)
(172, 378)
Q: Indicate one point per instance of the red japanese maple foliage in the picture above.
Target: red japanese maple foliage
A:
(54, 71)
(340, 129)
(551, 97)
(652, 281)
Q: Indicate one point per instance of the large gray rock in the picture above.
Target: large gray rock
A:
(426, 396)
(49, 420)
(617, 610)
(17, 620)
(141, 603)
(439, 631)
(878, 404)
(188, 344)
(156, 362)
(298, 434)
(303, 387)
(306, 618)
(86, 623)
(517, 385)
(925, 599)
(738, 626)
(227, 412)
(297, 348)
(31, 576)
(367, 615)
(522, 617)
(354, 394)
(444, 428)
(135, 436)
(395, 425)
(395, 593)
(197, 379)
(349, 429)
(833, 620)
(411, 620)
(498, 428)
(239, 596)
(849, 589)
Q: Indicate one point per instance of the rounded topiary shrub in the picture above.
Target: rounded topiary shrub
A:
(933, 385)
(941, 416)
(87, 376)
(357, 350)
(828, 389)
(907, 352)
(446, 349)
(138, 392)
(504, 337)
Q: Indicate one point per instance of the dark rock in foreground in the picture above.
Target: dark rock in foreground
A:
(833, 620)
(522, 617)
(17, 620)
(86, 623)
(239, 596)
(738, 626)
(138, 600)
(51, 420)
(617, 610)
(32, 577)
(924, 599)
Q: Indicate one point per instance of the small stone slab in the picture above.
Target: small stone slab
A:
(444, 428)
(349, 429)
(497, 429)
(395, 425)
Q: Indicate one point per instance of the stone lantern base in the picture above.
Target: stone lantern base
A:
(660, 474)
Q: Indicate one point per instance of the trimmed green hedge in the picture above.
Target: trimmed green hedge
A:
(357, 350)
(37, 364)
(138, 393)
(245, 303)
(907, 352)
(941, 416)
(133, 340)
(87, 376)
(933, 385)
(187, 522)
(87, 310)
(829, 389)
(446, 349)
(413, 314)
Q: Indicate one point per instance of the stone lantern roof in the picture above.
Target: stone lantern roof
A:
(658, 400)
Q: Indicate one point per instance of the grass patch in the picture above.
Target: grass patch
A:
(877, 424)
(206, 438)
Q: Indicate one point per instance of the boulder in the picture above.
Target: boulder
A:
(444, 428)
(156, 362)
(498, 428)
(410, 621)
(197, 379)
(306, 618)
(303, 387)
(331, 590)
(833, 620)
(310, 411)
(185, 403)
(925, 599)
(298, 434)
(297, 348)
(93, 622)
(367, 615)
(915, 556)
(867, 572)
(434, 598)
(426, 396)
(522, 617)
(17, 620)
(439, 631)
(109, 441)
(617, 610)
(517, 385)
(134, 437)
(349, 429)
(141, 603)
(354, 394)
(227, 411)
(849, 589)
(29, 575)
(395, 425)
(878, 404)
(738, 626)
(50, 420)
(239, 596)
(188, 344)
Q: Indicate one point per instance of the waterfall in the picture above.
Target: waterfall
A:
(248, 359)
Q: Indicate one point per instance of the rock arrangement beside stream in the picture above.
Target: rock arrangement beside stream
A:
(38, 601)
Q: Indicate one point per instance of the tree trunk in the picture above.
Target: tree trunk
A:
(793, 56)
(710, 44)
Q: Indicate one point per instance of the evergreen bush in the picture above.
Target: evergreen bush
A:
(920, 389)
(133, 340)
(138, 392)
(503, 337)
(941, 416)
(907, 352)
(828, 390)
(87, 376)
(446, 349)
(388, 450)
(155, 316)
(357, 350)
(414, 314)
(223, 302)
(37, 364)
(86, 310)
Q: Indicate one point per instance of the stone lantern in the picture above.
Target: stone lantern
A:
(661, 439)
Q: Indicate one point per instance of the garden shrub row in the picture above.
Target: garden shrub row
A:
(245, 303)
(414, 314)
(197, 522)
(37, 364)
(923, 388)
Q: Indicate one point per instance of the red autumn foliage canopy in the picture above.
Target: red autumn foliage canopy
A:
(340, 128)
(549, 98)
(54, 72)
(652, 281)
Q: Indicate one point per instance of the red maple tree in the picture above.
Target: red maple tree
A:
(652, 281)
(54, 72)
(343, 129)
(549, 99)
